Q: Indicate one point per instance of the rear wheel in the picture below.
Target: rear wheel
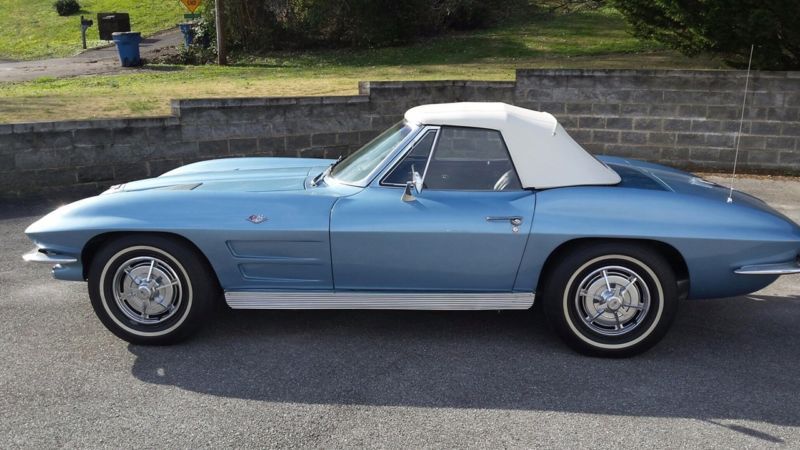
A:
(611, 299)
(149, 289)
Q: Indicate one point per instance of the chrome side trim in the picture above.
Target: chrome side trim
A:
(38, 256)
(785, 268)
(378, 300)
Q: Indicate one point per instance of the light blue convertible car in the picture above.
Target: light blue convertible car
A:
(462, 206)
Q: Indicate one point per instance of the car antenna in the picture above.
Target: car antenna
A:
(741, 121)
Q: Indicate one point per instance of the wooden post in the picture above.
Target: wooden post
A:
(222, 52)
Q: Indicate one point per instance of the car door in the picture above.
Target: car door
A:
(465, 230)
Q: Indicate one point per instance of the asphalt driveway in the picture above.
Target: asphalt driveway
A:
(726, 375)
(95, 61)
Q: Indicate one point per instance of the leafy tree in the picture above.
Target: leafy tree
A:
(254, 26)
(725, 27)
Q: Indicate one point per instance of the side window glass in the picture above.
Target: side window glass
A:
(416, 158)
(471, 159)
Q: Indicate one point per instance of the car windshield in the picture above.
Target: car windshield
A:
(361, 163)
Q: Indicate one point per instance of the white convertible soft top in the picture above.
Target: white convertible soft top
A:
(544, 155)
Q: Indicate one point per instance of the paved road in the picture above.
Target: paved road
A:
(726, 375)
(95, 61)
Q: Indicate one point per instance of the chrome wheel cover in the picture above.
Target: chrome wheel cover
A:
(612, 300)
(147, 290)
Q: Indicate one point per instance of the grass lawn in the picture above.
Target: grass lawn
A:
(31, 29)
(597, 39)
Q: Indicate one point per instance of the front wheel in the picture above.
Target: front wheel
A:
(611, 299)
(150, 289)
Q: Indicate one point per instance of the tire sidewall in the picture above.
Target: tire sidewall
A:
(616, 342)
(109, 303)
(562, 287)
(198, 288)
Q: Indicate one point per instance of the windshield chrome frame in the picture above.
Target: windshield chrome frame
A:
(399, 148)
(423, 130)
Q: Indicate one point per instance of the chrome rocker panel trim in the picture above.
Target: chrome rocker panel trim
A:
(784, 268)
(379, 300)
(38, 256)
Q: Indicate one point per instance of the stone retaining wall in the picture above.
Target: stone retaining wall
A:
(682, 118)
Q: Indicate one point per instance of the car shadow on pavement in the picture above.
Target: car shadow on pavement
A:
(729, 359)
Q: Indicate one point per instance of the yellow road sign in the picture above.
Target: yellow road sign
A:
(191, 5)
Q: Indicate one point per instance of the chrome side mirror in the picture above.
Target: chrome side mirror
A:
(410, 192)
(412, 187)
(417, 180)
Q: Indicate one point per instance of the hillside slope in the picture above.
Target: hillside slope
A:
(31, 29)
(594, 39)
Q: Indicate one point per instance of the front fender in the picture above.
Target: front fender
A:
(215, 222)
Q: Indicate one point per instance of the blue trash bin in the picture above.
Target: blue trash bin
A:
(187, 28)
(128, 47)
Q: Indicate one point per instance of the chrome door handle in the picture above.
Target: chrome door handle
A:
(514, 220)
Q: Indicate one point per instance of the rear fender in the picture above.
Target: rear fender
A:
(714, 238)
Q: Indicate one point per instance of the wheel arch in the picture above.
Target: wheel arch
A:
(97, 242)
(675, 259)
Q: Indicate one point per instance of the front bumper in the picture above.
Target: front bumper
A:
(65, 267)
(42, 256)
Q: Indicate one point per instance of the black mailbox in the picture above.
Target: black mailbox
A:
(85, 24)
(108, 23)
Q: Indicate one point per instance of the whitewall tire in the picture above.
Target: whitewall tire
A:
(611, 299)
(151, 289)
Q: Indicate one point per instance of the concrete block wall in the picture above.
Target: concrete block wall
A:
(682, 118)
(316, 126)
(77, 158)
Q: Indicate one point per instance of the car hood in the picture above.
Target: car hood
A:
(234, 174)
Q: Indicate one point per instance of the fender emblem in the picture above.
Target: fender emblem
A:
(256, 218)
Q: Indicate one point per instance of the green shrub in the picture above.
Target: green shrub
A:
(193, 55)
(468, 14)
(724, 27)
(67, 7)
(203, 49)
(253, 26)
